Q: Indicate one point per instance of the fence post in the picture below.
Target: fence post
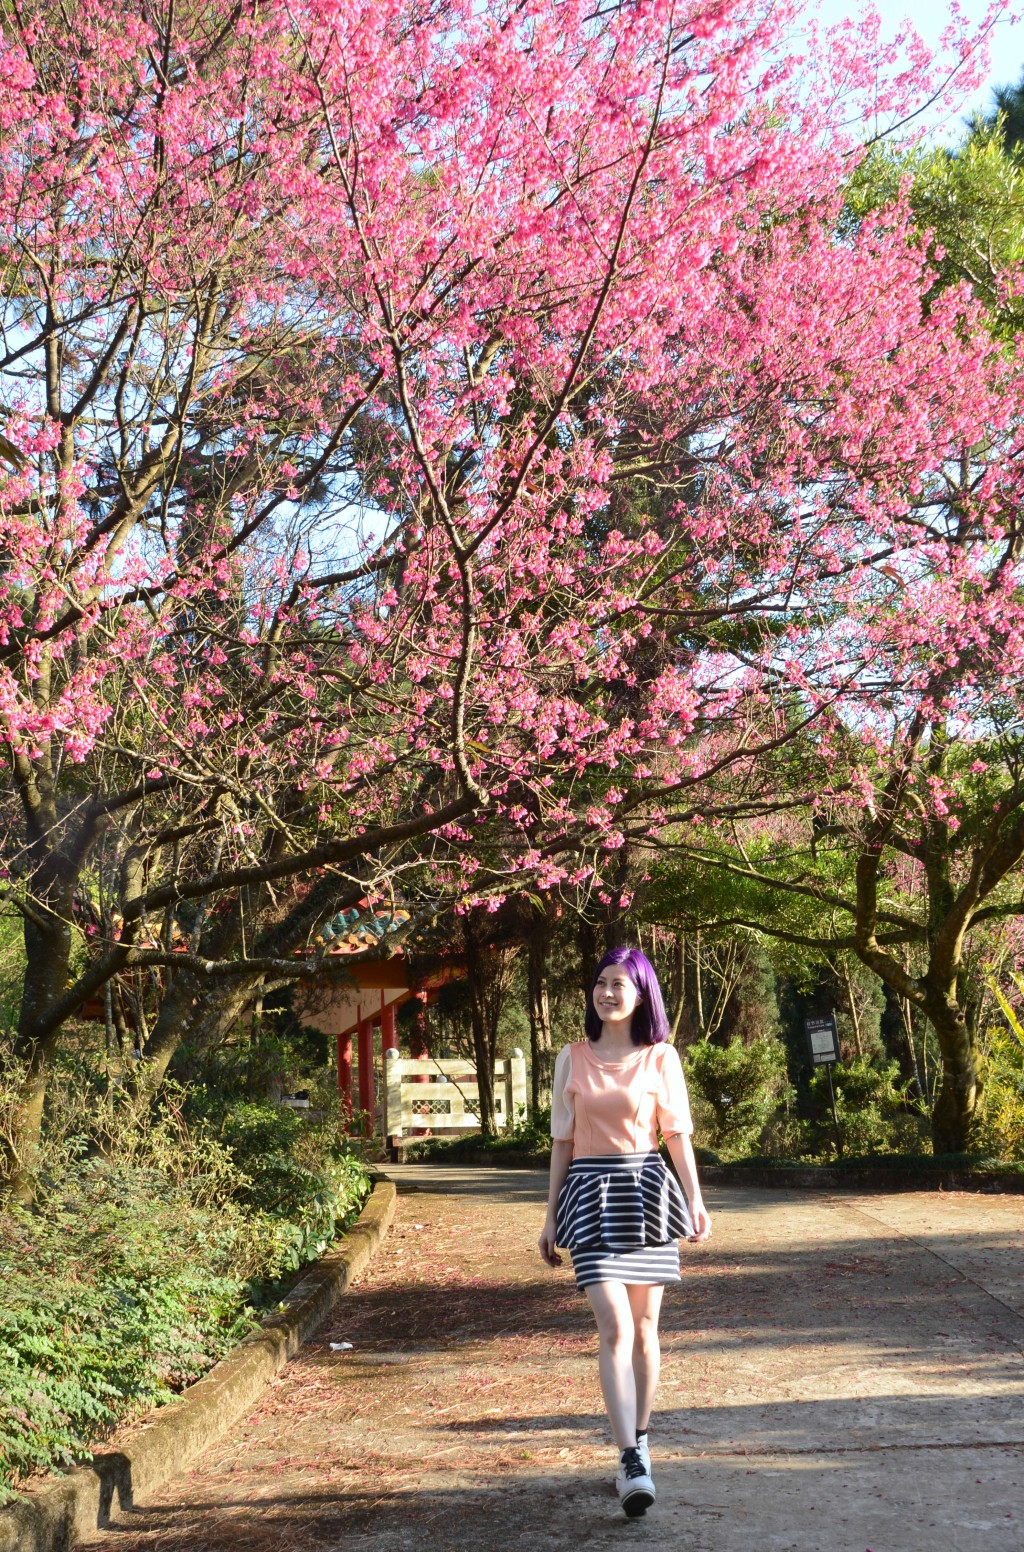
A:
(515, 1088)
(392, 1093)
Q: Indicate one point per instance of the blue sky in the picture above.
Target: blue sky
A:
(929, 17)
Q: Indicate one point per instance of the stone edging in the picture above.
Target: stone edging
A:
(64, 1510)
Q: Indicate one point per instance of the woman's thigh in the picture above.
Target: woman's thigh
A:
(645, 1303)
(612, 1310)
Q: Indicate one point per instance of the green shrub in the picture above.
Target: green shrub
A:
(294, 1175)
(736, 1088)
(133, 1273)
(999, 1129)
(870, 1106)
(254, 1129)
(118, 1291)
(782, 1136)
(526, 1143)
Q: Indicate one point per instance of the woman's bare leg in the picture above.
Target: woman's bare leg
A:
(645, 1306)
(611, 1306)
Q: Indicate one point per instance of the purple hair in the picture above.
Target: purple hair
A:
(650, 1024)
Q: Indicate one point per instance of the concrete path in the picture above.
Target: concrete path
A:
(840, 1375)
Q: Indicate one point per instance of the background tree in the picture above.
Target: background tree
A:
(1007, 115)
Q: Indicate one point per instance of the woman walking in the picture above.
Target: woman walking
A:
(612, 1203)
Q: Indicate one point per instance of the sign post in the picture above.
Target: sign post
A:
(823, 1050)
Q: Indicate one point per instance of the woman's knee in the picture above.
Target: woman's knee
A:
(616, 1334)
(645, 1334)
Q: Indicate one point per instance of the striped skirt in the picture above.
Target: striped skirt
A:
(621, 1217)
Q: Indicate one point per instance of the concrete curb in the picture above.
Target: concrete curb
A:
(65, 1510)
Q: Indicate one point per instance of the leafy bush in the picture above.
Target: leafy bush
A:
(254, 1129)
(870, 1106)
(129, 1278)
(296, 1176)
(736, 1090)
(518, 1144)
(1000, 1125)
(118, 1291)
(782, 1137)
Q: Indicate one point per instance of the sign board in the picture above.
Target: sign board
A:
(822, 1040)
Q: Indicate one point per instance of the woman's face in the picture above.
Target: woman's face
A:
(615, 995)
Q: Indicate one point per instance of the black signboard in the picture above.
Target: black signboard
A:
(822, 1040)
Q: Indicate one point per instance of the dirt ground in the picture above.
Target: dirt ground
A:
(840, 1373)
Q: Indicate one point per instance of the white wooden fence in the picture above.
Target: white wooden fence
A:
(449, 1100)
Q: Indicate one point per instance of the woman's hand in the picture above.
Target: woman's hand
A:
(701, 1223)
(546, 1244)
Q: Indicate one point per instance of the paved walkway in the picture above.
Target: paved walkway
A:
(840, 1375)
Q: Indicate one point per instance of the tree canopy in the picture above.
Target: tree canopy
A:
(443, 445)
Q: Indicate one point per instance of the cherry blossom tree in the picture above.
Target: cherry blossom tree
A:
(897, 823)
(432, 436)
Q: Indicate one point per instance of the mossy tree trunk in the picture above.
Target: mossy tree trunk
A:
(541, 1059)
(483, 1031)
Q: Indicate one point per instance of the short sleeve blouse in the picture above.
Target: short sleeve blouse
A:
(607, 1107)
(563, 1109)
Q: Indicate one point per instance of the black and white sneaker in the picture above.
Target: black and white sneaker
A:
(634, 1484)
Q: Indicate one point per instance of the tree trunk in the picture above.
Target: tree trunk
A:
(189, 1011)
(586, 937)
(189, 1003)
(907, 1012)
(935, 993)
(484, 1078)
(47, 954)
(541, 1064)
(177, 1010)
(483, 1043)
(614, 914)
(678, 982)
(854, 1018)
(484, 1059)
(22, 1143)
(698, 986)
(960, 1087)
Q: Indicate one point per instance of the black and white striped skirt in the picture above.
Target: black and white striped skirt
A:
(621, 1217)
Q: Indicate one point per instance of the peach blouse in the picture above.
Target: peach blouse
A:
(618, 1107)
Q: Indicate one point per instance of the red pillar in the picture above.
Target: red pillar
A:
(367, 1098)
(344, 1044)
(419, 1038)
(388, 1028)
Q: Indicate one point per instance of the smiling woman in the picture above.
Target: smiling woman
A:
(612, 1203)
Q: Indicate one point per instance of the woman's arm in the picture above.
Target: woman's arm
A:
(561, 1158)
(563, 1124)
(680, 1150)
